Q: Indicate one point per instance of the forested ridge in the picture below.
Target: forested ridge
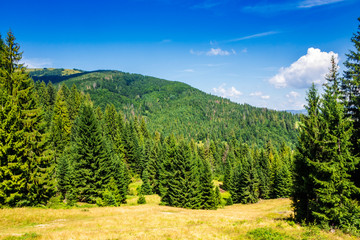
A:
(88, 135)
(175, 107)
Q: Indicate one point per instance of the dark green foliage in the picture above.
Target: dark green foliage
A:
(229, 201)
(146, 188)
(217, 196)
(263, 170)
(141, 199)
(63, 176)
(246, 183)
(323, 190)
(228, 175)
(90, 159)
(182, 186)
(25, 161)
(208, 200)
(161, 102)
(109, 198)
(350, 85)
(281, 179)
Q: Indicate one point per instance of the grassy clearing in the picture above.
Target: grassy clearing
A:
(263, 220)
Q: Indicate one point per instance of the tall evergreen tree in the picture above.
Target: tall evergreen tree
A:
(323, 189)
(207, 193)
(25, 161)
(308, 149)
(246, 183)
(90, 158)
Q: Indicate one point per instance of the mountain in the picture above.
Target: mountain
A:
(301, 111)
(175, 107)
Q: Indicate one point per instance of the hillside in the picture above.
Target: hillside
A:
(175, 107)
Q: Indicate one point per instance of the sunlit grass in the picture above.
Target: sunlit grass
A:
(151, 221)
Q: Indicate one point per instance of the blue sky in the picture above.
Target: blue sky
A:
(265, 53)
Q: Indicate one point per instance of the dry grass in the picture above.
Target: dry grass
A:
(152, 221)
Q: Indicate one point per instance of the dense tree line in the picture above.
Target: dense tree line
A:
(177, 108)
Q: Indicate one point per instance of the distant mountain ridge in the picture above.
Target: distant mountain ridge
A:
(175, 107)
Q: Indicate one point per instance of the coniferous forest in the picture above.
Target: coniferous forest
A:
(85, 136)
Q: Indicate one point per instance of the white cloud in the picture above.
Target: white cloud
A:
(308, 69)
(230, 92)
(292, 94)
(217, 51)
(316, 3)
(256, 94)
(189, 70)
(36, 62)
(214, 52)
(260, 95)
(257, 35)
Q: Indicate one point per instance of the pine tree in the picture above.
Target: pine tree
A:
(334, 189)
(61, 124)
(229, 173)
(25, 162)
(281, 179)
(89, 156)
(182, 185)
(208, 200)
(217, 196)
(246, 183)
(263, 170)
(323, 189)
(146, 188)
(308, 149)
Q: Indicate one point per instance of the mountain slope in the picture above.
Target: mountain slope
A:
(175, 107)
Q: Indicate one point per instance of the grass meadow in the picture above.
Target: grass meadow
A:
(267, 219)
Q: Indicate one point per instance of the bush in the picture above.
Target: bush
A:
(141, 199)
(229, 201)
(109, 198)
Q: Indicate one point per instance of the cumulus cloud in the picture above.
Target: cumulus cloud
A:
(214, 52)
(265, 97)
(189, 70)
(230, 92)
(310, 68)
(36, 62)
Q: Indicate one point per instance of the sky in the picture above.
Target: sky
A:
(264, 53)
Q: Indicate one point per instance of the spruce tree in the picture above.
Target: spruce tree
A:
(246, 183)
(208, 200)
(25, 161)
(323, 189)
(146, 188)
(307, 150)
(90, 158)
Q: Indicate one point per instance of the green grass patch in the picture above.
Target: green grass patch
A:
(267, 234)
(23, 237)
